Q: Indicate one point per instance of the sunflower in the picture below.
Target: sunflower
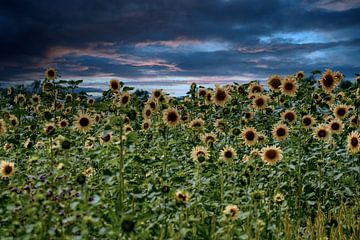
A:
(147, 112)
(338, 76)
(47, 87)
(125, 99)
(88, 172)
(354, 121)
(232, 212)
(220, 96)
(353, 142)
(157, 94)
(260, 102)
(20, 99)
(336, 126)
(3, 128)
(228, 153)
(308, 121)
(8, 147)
(202, 92)
(289, 86)
(151, 103)
(261, 138)
(106, 138)
(89, 143)
(114, 85)
(91, 101)
(127, 129)
(250, 136)
(35, 99)
(51, 74)
(209, 97)
(208, 138)
(171, 117)
(200, 154)
(145, 125)
(340, 111)
(68, 97)
(248, 116)
(328, 81)
(197, 123)
(322, 132)
(220, 124)
(271, 155)
(289, 116)
(255, 89)
(7, 169)
(49, 128)
(14, 122)
(300, 75)
(10, 91)
(279, 198)
(83, 122)
(280, 132)
(274, 83)
(182, 196)
(357, 80)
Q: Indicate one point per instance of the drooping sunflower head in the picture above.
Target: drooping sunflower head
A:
(340, 111)
(353, 142)
(106, 138)
(308, 121)
(274, 83)
(220, 96)
(197, 123)
(84, 122)
(280, 132)
(328, 81)
(209, 97)
(354, 121)
(14, 122)
(300, 75)
(200, 154)
(336, 126)
(51, 74)
(289, 86)
(7, 169)
(271, 155)
(289, 116)
(171, 117)
(228, 153)
(208, 138)
(220, 124)
(35, 99)
(232, 212)
(114, 85)
(322, 132)
(250, 136)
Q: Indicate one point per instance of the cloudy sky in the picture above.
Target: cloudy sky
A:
(170, 43)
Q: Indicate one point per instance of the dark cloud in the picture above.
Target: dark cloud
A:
(140, 38)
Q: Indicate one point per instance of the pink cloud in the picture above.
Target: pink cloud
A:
(169, 43)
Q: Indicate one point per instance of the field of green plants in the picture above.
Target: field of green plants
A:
(273, 161)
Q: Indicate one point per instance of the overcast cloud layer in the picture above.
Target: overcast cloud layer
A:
(160, 41)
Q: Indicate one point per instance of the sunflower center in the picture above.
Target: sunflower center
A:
(13, 122)
(247, 115)
(172, 117)
(271, 154)
(125, 99)
(8, 169)
(275, 83)
(354, 142)
(84, 122)
(256, 89)
(288, 86)
(321, 133)
(208, 97)
(259, 102)
(106, 138)
(152, 105)
(280, 132)
(290, 117)
(51, 73)
(328, 81)
(196, 124)
(341, 111)
(233, 212)
(250, 135)
(63, 124)
(146, 125)
(335, 126)
(220, 95)
(307, 121)
(209, 138)
(202, 93)
(114, 85)
(228, 154)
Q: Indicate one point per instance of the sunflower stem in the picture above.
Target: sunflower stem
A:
(121, 173)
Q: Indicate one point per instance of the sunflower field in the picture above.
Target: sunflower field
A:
(254, 161)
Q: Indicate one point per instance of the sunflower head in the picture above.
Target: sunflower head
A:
(220, 96)
(125, 99)
(250, 136)
(202, 92)
(280, 132)
(274, 83)
(114, 85)
(7, 169)
(232, 212)
(271, 155)
(51, 74)
(308, 121)
(182, 196)
(228, 153)
(197, 123)
(300, 75)
(279, 198)
(289, 86)
(145, 125)
(255, 89)
(260, 102)
(336, 126)
(171, 117)
(106, 138)
(289, 116)
(322, 132)
(83, 122)
(340, 111)
(200, 154)
(3, 128)
(353, 142)
(328, 81)
(208, 138)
